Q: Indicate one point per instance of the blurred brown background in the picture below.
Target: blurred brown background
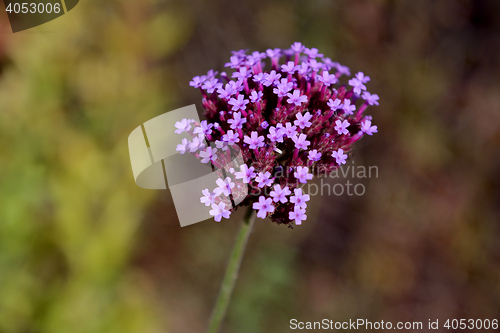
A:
(83, 249)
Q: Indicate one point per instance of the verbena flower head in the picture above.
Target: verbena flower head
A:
(289, 115)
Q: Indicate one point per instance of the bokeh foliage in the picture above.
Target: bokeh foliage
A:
(70, 93)
(82, 249)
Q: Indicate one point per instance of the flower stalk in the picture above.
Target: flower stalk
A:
(221, 305)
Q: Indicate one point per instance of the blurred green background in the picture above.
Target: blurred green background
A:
(83, 249)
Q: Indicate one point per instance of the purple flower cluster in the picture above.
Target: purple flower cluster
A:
(287, 121)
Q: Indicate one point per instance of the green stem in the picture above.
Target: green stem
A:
(233, 267)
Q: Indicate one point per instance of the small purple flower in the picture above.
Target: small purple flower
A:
(273, 53)
(208, 154)
(280, 194)
(258, 56)
(314, 155)
(240, 53)
(219, 211)
(288, 53)
(204, 128)
(222, 145)
(289, 68)
(290, 130)
(283, 88)
(276, 134)
(225, 93)
(211, 84)
(362, 78)
(252, 61)
(245, 173)
(183, 146)
(315, 65)
(208, 197)
(298, 214)
(196, 82)
(270, 78)
(334, 104)
(302, 174)
(300, 141)
(229, 90)
(339, 156)
(237, 122)
(297, 47)
(211, 74)
(348, 108)
(341, 126)
(327, 79)
(263, 179)
(224, 186)
(329, 64)
(312, 53)
(183, 126)
(197, 143)
(366, 127)
(342, 70)
(256, 96)
(242, 73)
(300, 199)
(302, 121)
(254, 140)
(264, 124)
(238, 85)
(238, 104)
(234, 62)
(231, 137)
(303, 68)
(357, 85)
(372, 99)
(296, 98)
(263, 206)
(259, 78)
